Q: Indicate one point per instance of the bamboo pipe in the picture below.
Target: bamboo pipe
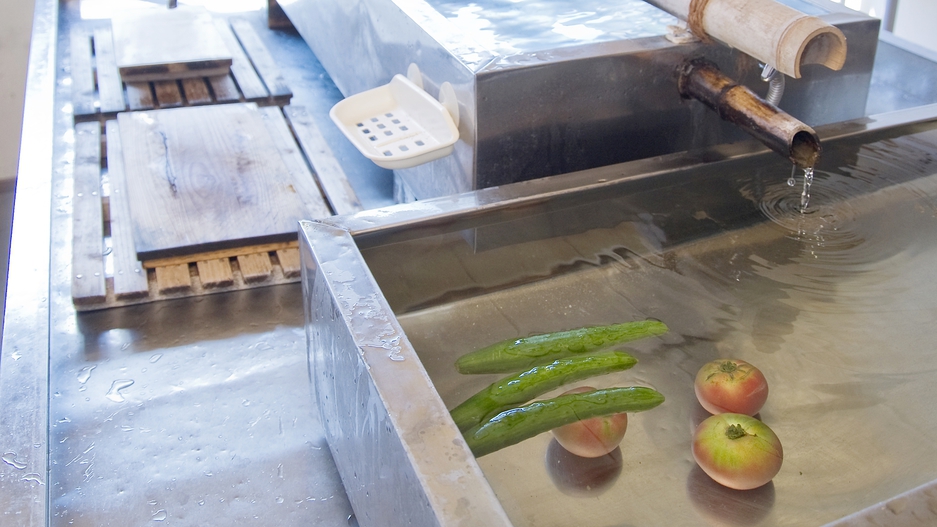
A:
(702, 80)
(767, 30)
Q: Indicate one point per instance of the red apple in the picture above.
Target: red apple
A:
(737, 451)
(592, 437)
(731, 385)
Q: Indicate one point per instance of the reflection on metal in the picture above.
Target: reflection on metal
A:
(24, 364)
(402, 459)
(701, 80)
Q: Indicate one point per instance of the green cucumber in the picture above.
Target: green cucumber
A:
(517, 354)
(517, 424)
(519, 388)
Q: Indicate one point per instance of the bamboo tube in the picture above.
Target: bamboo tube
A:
(767, 30)
(700, 79)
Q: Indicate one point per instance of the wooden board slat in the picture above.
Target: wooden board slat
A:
(262, 60)
(247, 80)
(139, 96)
(168, 44)
(110, 87)
(88, 281)
(206, 178)
(168, 94)
(328, 171)
(215, 273)
(223, 253)
(130, 280)
(196, 91)
(289, 262)
(303, 182)
(173, 278)
(255, 267)
(224, 88)
(83, 92)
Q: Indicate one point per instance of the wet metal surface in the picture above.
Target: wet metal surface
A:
(191, 412)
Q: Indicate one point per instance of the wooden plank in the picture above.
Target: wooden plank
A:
(255, 267)
(88, 282)
(303, 182)
(247, 80)
(262, 60)
(110, 87)
(168, 94)
(174, 278)
(329, 173)
(224, 253)
(139, 96)
(215, 273)
(168, 44)
(83, 92)
(205, 178)
(224, 88)
(196, 91)
(130, 280)
(290, 262)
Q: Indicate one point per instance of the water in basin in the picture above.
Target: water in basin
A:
(837, 305)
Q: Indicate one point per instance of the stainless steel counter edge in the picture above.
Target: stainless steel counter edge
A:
(426, 217)
(24, 364)
(402, 459)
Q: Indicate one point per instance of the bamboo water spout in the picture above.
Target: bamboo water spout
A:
(765, 29)
(700, 79)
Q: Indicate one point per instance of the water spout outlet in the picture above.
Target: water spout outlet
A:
(700, 79)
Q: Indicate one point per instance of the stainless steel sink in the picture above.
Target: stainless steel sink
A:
(834, 304)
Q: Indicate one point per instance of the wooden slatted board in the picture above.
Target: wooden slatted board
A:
(99, 94)
(211, 177)
(106, 270)
(168, 44)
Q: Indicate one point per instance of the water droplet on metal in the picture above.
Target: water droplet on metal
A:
(160, 515)
(32, 477)
(85, 373)
(10, 459)
(114, 393)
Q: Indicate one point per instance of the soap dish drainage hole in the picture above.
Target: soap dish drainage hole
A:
(405, 146)
(385, 126)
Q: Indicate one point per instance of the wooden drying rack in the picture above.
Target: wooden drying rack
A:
(99, 94)
(105, 270)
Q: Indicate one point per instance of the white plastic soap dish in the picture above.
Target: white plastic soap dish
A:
(398, 125)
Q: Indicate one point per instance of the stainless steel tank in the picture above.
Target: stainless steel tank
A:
(547, 88)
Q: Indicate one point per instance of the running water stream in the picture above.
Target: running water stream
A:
(805, 194)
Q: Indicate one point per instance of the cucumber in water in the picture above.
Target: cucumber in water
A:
(517, 424)
(519, 388)
(517, 354)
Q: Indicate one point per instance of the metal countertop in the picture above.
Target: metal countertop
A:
(186, 412)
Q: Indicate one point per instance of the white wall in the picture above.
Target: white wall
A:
(15, 30)
(916, 20)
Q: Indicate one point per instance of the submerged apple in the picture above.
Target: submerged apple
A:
(731, 385)
(737, 451)
(592, 437)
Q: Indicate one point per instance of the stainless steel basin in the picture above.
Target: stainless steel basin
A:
(835, 305)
